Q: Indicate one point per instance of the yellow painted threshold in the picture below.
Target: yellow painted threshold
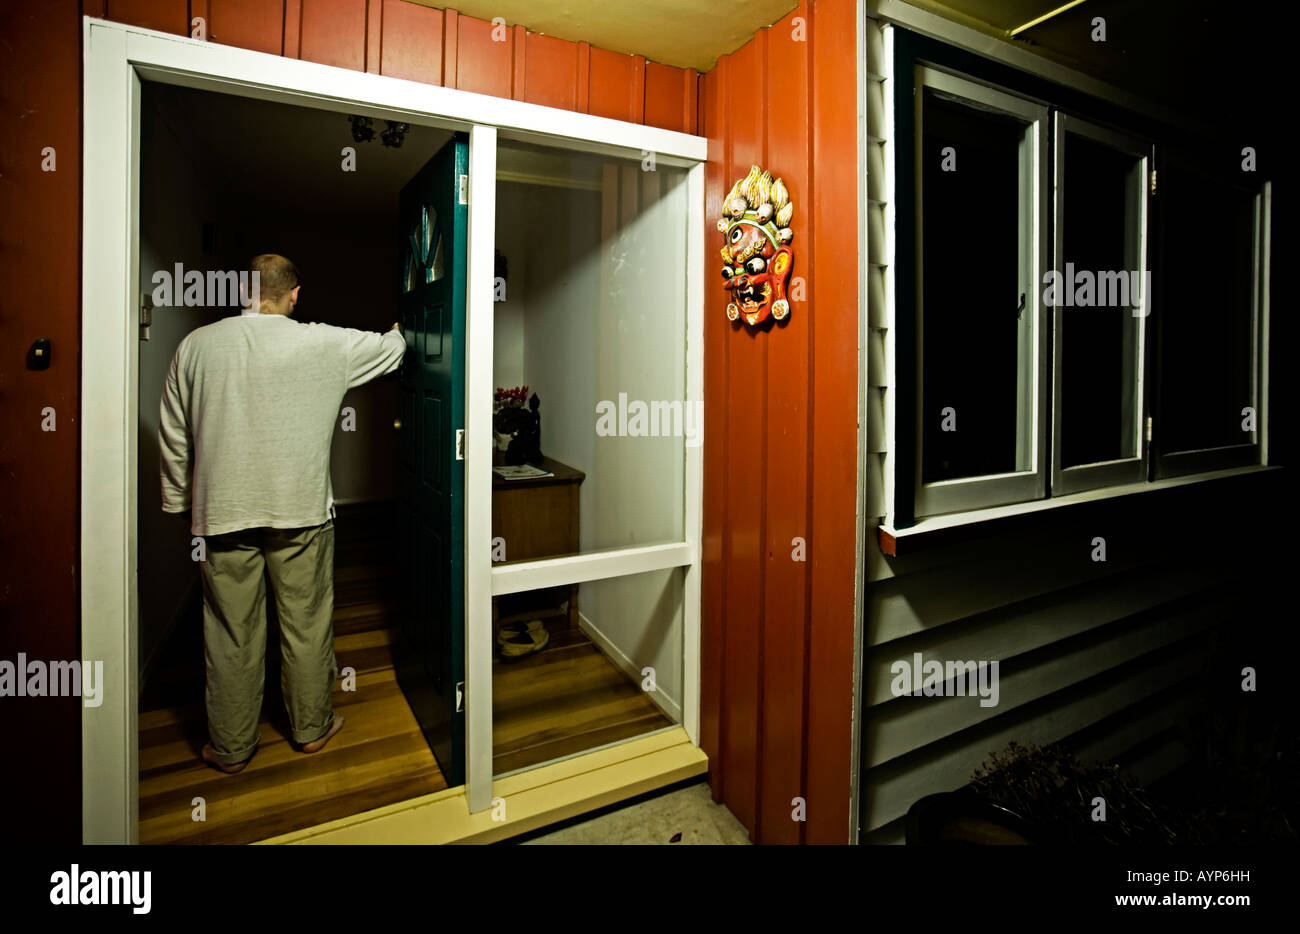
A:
(532, 799)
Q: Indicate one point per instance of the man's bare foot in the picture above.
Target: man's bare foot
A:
(209, 755)
(317, 745)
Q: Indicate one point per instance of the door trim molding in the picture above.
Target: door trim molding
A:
(116, 58)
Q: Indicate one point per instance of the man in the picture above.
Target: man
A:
(247, 416)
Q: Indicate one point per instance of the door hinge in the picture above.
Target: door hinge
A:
(1150, 421)
(460, 444)
(1153, 181)
(146, 315)
(464, 189)
(460, 697)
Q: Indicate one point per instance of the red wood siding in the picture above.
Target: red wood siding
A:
(551, 72)
(163, 15)
(332, 32)
(40, 265)
(411, 44)
(418, 43)
(781, 451)
(249, 24)
(483, 64)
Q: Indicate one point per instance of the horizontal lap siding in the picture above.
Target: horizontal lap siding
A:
(1104, 655)
(781, 451)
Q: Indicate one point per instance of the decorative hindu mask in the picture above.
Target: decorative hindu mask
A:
(756, 256)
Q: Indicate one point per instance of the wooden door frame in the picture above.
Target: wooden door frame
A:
(116, 59)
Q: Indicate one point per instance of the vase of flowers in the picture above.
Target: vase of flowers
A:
(516, 427)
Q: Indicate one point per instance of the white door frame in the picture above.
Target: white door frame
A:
(117, 57)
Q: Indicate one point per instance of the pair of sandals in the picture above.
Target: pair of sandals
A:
(519, 640)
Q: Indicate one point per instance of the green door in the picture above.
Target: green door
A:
(429, 650)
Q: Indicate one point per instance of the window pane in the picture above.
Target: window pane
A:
(591, 319)
(609, 667)
(1206, 326)
(976, 320)
(1098, 331)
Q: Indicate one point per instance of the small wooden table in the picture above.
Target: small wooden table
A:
(537, 518)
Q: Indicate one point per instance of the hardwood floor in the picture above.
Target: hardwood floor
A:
(566, 699)
(379, 758)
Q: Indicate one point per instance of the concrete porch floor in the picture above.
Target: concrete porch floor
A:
(684, 811)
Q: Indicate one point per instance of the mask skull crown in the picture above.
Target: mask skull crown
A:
(756, 253)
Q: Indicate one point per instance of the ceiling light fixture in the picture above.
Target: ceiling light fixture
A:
(362, 129)
(1042, 19)
(395, 133)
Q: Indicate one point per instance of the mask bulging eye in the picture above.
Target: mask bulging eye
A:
(756, 265)
(727, 272)
(736, 234)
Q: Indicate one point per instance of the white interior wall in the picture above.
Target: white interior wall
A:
(174, 203)
(603, 276)
(513, 241)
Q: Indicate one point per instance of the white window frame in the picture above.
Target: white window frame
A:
(1124, 470)
(1254, 452)
(117, 58)
(968, 493)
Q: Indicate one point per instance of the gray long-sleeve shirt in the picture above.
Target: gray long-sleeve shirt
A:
(248, 412)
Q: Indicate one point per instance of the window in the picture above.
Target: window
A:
(1210, 313)
(981, 348)
(1100, 305)
(1063, 324)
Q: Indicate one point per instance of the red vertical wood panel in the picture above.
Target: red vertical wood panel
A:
(412, 42)
(583, 104)
(94, 8)
(450, 44)
(200, 9)
(40, 266)
(833, 57)
(248, 24)
(551, 72)
(334, 33)
(483, 64)
(690, 102)
(784, 675)
(518, 63)
(374, 35)
(746, 468)
(717, 331)
(163, 15)
(664, 90)
(616, 86)
(777, 650)
(292, 28)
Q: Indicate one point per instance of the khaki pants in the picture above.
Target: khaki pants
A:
(301, 566)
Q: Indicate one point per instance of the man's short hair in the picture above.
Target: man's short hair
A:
(276, 276)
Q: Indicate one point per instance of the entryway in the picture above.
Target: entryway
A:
(588, 691)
